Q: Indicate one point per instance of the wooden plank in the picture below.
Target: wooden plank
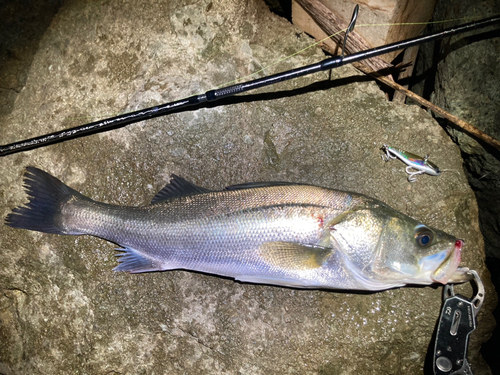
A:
(387, 14)
(331, 24)
(409, 57)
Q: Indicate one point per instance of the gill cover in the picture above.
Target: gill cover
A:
(393, 248)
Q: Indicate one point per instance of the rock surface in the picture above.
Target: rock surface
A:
(468, 85)
(21, 30)
(63, 310)
(463, 78)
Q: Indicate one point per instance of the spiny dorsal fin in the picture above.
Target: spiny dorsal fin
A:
(178, 187)
(294, 256)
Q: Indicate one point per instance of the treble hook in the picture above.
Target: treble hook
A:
(350, 27)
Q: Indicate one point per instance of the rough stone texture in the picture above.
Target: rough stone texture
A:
(465, 81)
(469, 87)
(21, 29)
(63, 310)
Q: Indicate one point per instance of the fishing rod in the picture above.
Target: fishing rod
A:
(217, 94)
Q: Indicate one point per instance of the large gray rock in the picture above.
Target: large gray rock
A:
(464, 79)
(62, 308)
(20, 32)
(468, 85)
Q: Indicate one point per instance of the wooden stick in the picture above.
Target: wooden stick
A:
(331, 24)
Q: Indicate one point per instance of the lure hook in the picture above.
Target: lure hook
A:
(416, 165)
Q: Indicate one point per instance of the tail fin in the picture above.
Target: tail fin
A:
(47, 195)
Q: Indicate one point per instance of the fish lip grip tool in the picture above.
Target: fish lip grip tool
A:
(457, 321)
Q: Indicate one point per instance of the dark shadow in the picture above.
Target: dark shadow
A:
(23, 24)
(468, 40)
(313, 87)
(489, 349)
(282, 8)
(489, 148)
(429, 357)
(440, 50)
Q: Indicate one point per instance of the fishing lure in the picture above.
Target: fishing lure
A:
(415, 164)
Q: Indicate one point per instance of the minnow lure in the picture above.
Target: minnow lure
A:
(415, 164)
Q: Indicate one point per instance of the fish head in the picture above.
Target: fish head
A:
(390, 249)
(415, 253)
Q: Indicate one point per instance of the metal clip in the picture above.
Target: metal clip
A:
(350, 27)
(457, 321)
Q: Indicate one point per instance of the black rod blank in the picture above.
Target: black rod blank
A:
(213, 95)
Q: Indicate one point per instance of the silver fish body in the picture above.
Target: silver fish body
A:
(283, 234)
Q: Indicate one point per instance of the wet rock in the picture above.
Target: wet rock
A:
(20, 32)
(62, 308)
(468, 85)
(465, 81)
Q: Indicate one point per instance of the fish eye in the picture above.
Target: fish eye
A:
(424, 238)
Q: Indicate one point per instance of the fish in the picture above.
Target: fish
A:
(276, 233)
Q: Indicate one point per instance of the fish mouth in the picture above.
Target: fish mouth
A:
(448, 270)
(462, 275)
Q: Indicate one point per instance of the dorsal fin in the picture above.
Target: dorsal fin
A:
(178, 187)
(253, 185)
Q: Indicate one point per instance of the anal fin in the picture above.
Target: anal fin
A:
(133, 262)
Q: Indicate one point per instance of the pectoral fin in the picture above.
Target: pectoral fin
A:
(294, 256)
